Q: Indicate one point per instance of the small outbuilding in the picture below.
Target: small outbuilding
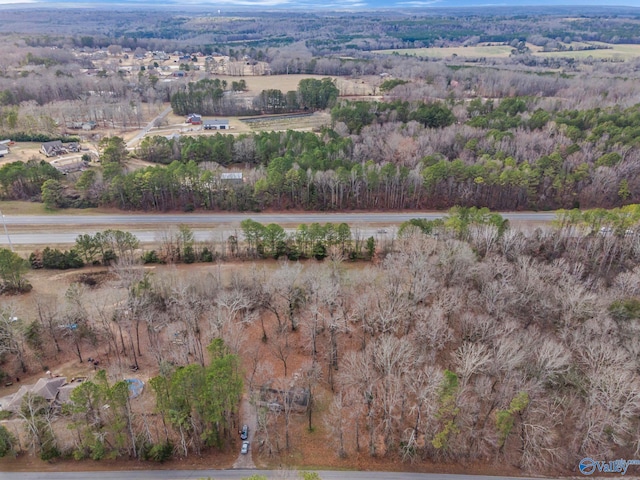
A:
(217, 124)
(194, 119)
(231, 177)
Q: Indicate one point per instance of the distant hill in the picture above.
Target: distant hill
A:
(332, 4)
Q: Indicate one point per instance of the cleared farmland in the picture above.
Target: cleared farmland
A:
(619, 52)
(479, 51)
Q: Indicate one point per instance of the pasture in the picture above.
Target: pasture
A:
(618, 52)
(478, 51)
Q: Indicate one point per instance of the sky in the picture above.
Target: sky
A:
(320, 4)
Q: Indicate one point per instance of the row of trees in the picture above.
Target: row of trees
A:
(207, 97)
(308, 241)
(310, 151)
(356, 115)
(23, 181)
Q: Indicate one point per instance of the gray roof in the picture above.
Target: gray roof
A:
(5, 401)
(16, 399)
(223, 121)
(45, 387)
(50, 146)
(48, 387)
(231, 176)
(64, 392)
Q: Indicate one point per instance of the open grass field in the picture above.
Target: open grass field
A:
(309, 122)
(621, 52)
(257, 83)
(444, 52)
(16, 207)
(22, 152)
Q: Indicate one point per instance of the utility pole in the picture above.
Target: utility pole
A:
(6, 232)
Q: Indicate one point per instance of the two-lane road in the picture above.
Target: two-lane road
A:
(63, 229)
(282, 218)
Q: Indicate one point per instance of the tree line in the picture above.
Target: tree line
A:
(210, 97)
(394, 155)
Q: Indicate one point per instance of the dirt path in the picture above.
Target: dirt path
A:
(247, 417)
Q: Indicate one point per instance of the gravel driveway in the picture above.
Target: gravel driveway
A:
(248, 417)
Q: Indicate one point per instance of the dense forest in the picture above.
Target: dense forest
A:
(483, 342)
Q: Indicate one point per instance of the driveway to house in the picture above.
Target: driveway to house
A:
(247, 417)
(133, 142)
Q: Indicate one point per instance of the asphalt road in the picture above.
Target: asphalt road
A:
(132, 143)
(230, 218)
(63, 229)
(237, 475)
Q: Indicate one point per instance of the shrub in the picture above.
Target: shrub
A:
(151, 257)
(161, 452)
(626, 309)
(206, 255)
(56, 259)
(7, 441)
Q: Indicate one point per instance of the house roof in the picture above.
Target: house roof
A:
(51, 146)
(16, 400)
(5, 401)
(48, 387)
(45, 387)
(64, 392)
(223, 121)
(231, 176)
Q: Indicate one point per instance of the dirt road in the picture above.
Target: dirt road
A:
(247, 417)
